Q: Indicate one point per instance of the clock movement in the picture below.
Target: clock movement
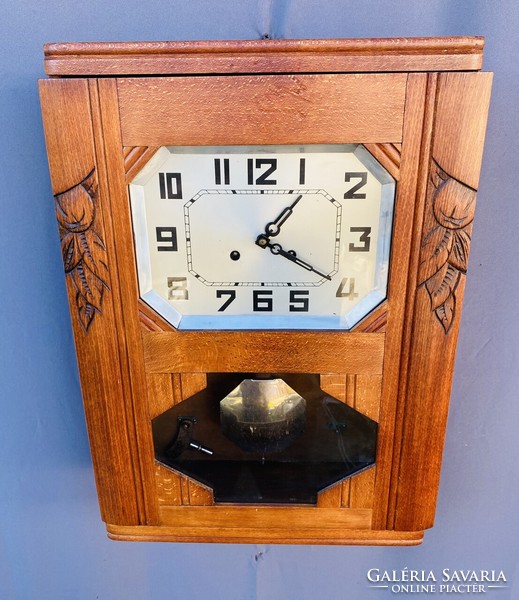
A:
(265, 246)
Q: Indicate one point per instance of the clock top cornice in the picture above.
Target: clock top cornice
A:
(91, 59)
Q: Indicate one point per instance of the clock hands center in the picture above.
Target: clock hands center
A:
(264, 242)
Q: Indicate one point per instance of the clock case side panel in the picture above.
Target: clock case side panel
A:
(454, 139)
(419, 107)
(72, 123)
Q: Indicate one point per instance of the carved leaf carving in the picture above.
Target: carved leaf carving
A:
(446, 311)
(71, 256)
(442, 285)
(460, 250)
(436, 248)
(446, 244)
(83, 250)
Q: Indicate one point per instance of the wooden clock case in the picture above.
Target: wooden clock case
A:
(419, 106)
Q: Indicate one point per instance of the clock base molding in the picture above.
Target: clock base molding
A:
(275, 535)
(280, 208)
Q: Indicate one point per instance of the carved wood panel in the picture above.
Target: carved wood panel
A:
(446, 242)
(82, 246)
(441, 262)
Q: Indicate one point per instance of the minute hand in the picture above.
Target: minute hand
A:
(276, 249)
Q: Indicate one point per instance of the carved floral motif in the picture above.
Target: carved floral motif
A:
(83, 250)
(445, 246)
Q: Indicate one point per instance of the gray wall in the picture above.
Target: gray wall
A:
(52, 543)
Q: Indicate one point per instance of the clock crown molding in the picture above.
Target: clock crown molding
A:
(264, 56)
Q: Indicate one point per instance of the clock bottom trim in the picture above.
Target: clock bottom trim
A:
(245, 535)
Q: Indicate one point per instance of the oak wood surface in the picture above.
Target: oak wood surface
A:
(165, 390)
(465, 101)
(161, 393)
(246, 535)
(439, 279)
(135, 158)
(400, 256)
(125, 329)
(273, 109)
(169, 491)
(91, 282)
(388, 155)
(69, 148)
(265, 517)
(263, 352)
(265, 56)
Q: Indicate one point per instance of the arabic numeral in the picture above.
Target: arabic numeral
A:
(299, 301)
(259, 163)
(231, 298)
(168, 237)
(346, 289)
(352, 193)
(177, 288)
(364, 239)
(170, 186)
(262, 301)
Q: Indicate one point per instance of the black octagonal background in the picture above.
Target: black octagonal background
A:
(337, 442)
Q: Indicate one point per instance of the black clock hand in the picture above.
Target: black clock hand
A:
(263, 242)
(274, 227)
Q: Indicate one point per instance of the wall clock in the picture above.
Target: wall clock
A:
(265, 247)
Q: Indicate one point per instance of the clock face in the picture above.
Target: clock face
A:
(263, 237)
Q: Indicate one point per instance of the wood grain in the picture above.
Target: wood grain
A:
(432, 344)
(263, 352)
(152, 321)
(388, 155)
(178, 533)
(168, 486)
(375, 322)
(135, 159)
(264, 56)
(125, 329)
(69, 132)
(281, 109)
(161, 393)
(266, 517)
(65, 109)
(462, 99)
(407, 216)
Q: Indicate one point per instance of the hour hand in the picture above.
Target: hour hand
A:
(274, 227)
(263, 242)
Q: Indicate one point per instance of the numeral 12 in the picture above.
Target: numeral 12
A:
(262, 179)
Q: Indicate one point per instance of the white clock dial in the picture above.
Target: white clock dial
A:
(225, 229)
(271, 237)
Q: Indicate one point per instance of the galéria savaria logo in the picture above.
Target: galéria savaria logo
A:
(447, 581)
